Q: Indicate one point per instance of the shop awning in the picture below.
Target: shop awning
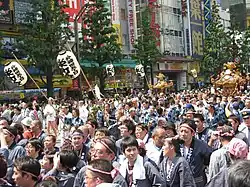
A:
(123, 63)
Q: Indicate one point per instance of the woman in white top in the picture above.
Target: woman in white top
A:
(50, 114)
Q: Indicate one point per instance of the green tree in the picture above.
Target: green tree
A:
(44, 33)
(214, 45)
(147, 52)
(99, 44)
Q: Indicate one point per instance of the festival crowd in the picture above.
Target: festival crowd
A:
(186, 139)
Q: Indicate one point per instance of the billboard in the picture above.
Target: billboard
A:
(5, 12)
(131, 23)
(207, 14)
(196, 25)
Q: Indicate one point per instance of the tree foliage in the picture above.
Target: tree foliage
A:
(224, 45)
(99, 44)
(146, 48)
(214, 45)
(43, 34)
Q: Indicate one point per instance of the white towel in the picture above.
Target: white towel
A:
(138, 170)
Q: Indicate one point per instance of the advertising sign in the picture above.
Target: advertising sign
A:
(5, 12)
(207, 14)
(196, 28)
(21, 7)
(131, 23)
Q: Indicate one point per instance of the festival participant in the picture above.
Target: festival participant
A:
(26, 171)
(101, 132)
(17, 118)
(239, 174)
(234, 121)
(83, 111)
(154, 147)
(136, 170)
(202, 132)
(98, 171)
(50, 115)
(6, 112)
(218, 159)
(196, 152)
(49, 143)
(127, 128)
(36, 128)
(92, 125)
(26, 122)
(174, 168)
(244, 127)
(170, 130)
(47, 163)
(64, 163)
(76, 120)
(102, 149)
(78, 145)
(237, 150)
(133, 115)
(36, 113)
(3, 122)
(213, 116)
(15, 151)
(141, 132)
(34, 149)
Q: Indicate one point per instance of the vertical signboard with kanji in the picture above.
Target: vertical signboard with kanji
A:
(154, 7)
(207, 14)
(131, 23)
(74, 6)
(5, 12)
(196, 24)
(115, 19)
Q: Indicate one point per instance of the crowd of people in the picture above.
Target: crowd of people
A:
(186, 139)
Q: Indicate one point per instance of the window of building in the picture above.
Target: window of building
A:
(125, 39)
(123, 14)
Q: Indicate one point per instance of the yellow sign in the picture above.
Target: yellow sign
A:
(21, 95)
(177, 66)
(59, 81)
(117, 27)
(23, 62)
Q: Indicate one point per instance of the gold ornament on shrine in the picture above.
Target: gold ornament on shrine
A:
(161, 84)
(229, 81)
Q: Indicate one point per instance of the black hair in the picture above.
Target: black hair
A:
(239, 174)
(102, 165)
(29, 165)
(68, 158)
(35, 142)
(130, 125)
(176, 142)
(103, 130)
(128, 141)
(199, 116)
(3, 166)
(50, 155)
(142, 126)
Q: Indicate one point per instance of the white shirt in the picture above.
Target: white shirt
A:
(153, 152)
(49, 112)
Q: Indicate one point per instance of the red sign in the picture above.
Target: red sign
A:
(75, 83)
(184, 7)
(74, 6)
(154, 26)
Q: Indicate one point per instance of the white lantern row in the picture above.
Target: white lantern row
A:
(68, 63)
(110, 70)
(16, 73)
(139, 70)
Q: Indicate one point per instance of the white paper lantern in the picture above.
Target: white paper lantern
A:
(16, 73)
(110, 70)
(68, 63)
(139, 70)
